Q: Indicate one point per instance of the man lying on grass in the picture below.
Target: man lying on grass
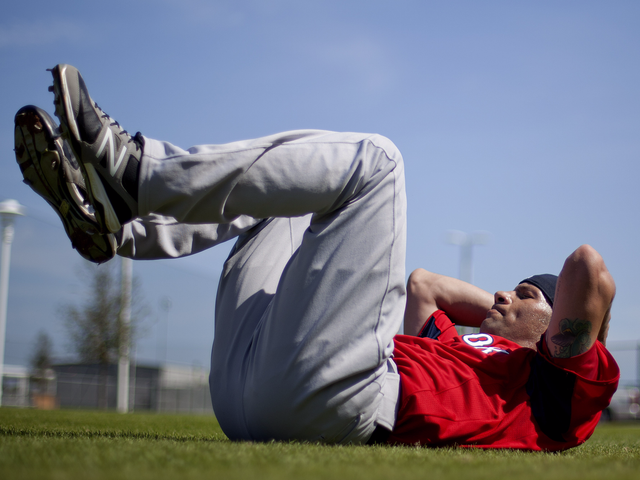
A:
(535, 377)
(313, 292)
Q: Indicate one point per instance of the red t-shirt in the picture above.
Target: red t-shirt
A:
(485, 391)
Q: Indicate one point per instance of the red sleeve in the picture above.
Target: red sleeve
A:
(568, 394)
(595, 364)
(438, 327)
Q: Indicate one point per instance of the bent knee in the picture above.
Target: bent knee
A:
(385, 144)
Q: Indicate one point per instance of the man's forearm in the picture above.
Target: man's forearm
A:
(427, 292)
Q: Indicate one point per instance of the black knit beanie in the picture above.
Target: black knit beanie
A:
(546, 283)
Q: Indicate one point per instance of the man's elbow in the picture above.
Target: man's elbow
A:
(421, 283)
(587, 265)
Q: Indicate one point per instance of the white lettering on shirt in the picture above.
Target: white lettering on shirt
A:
(482, 341)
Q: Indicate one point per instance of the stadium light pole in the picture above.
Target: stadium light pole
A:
(165, 306)
(466, 242)
(9, 210)
(124, 358)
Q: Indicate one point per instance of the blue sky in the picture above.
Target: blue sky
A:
(517, 118)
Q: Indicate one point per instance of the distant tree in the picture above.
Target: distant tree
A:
(41, 359)
(94, 325)
(40, 363)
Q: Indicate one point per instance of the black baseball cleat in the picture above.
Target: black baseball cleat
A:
(109, 157)
(50, 169)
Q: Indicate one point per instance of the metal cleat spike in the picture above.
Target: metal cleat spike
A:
(50, 88)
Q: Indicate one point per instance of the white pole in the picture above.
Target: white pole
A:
(7, 238)
(466, 261)
(9, 209)
(638, 365)
(124, 361)
(466, 242)
(165, 306)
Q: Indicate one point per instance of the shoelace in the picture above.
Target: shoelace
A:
(116, 124)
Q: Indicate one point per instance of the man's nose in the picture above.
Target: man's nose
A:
(502, 297)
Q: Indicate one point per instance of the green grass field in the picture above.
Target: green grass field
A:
(81, 444)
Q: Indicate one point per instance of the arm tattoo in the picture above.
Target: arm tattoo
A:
(574, 338)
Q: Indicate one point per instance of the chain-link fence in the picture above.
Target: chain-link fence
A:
(168, 388)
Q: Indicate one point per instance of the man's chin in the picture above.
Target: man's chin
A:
(488, 326)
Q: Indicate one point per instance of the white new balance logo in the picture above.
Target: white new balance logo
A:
(108, 139)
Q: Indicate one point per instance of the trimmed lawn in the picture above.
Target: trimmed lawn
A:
(69, 444)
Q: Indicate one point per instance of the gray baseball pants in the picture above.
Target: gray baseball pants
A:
(313, 291)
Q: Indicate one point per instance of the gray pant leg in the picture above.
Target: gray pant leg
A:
(247, 286)
(301, 348)
(285, 175)
(155, 236)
